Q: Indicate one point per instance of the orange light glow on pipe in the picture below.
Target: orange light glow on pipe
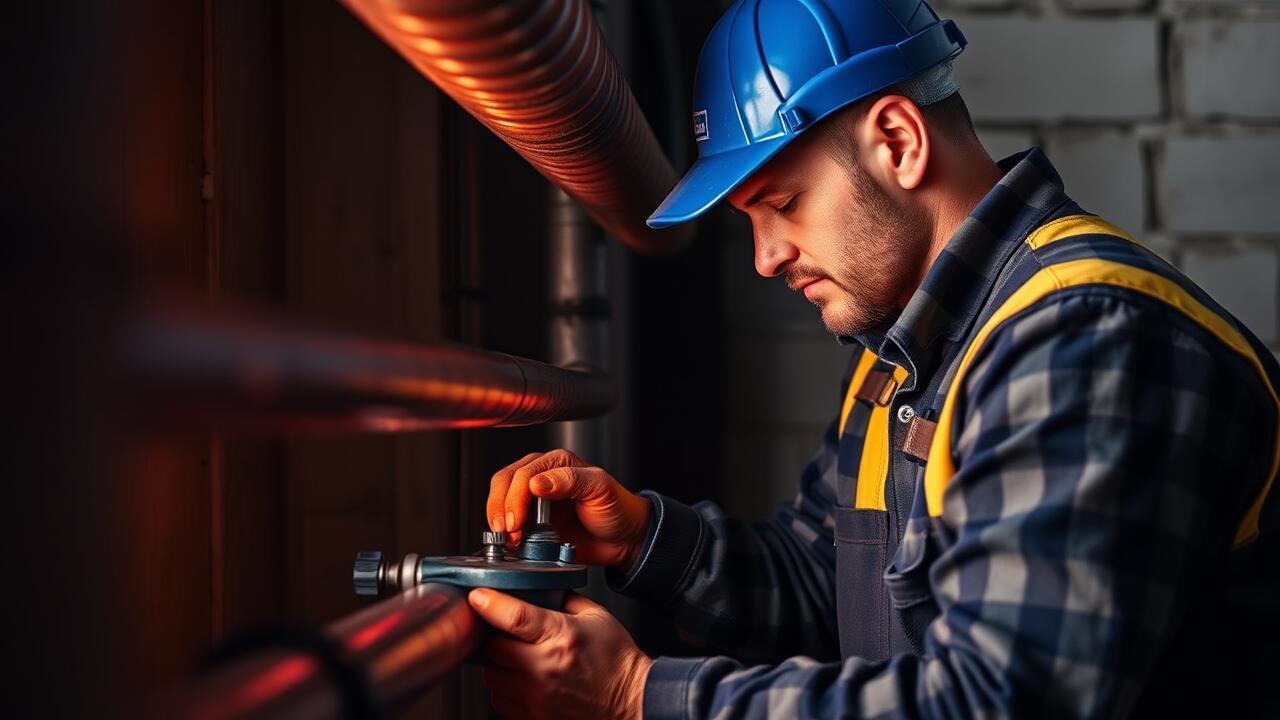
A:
(239, 372)
(539, 74)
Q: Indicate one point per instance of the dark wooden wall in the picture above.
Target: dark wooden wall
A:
(273, 153)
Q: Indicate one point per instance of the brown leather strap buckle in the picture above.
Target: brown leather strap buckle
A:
(878, 387)
(918, 438)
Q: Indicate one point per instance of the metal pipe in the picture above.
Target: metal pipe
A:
(386, 655)
(582, 292)
(203, 367)
(580, 312)
(539, 74)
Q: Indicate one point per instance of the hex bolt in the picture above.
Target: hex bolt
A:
(494, 545)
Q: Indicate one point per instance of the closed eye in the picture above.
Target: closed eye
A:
(788, 207)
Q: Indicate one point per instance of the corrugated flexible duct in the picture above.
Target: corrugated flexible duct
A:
(539, 74)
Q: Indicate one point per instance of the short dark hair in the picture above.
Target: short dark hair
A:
(951, 115)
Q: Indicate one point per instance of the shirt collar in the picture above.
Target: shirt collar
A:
(960, 279)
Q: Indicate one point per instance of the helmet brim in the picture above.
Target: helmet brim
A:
(710, 179)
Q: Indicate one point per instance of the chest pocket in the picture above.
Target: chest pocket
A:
(907, 577)
(861, 518)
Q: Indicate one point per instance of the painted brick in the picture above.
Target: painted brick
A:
(1221, 184)
(1244, 282)
(947, 6)
(1224, 3)
(1229, 67)
(1027, 68)
(1094, 5)
(1003, 143)
(1103, 171)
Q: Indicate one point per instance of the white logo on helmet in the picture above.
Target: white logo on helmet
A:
(700, 131)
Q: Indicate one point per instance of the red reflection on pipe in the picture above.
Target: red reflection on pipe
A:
(374, 632)
(226, 367)
(261, 689)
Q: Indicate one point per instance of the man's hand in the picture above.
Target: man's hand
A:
(607, 522)
(544, 664)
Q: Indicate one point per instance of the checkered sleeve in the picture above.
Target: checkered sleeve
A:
(759, 591)
(1106, 449)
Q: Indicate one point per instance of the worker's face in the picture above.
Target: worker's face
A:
(833, 234)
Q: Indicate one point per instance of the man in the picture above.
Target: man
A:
(1046, 493)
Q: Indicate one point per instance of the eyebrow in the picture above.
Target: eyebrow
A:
(758, 195)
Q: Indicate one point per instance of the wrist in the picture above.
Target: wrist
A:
(641, 664)
(642, 513)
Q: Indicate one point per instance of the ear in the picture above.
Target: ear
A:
(895, 134)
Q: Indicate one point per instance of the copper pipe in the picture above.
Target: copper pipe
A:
(391, 652)
(539, 74)
(199, 367)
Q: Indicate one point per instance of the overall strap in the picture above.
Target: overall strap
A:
(1094, 268)
(866, 406)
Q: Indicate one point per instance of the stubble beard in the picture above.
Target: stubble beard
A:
(880, 242)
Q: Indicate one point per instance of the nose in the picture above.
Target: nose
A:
(773, 254)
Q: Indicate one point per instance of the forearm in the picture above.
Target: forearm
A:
(905, 687)
(759, 591)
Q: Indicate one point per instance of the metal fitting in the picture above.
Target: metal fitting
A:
(494, 545)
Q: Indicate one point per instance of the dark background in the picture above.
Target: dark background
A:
(277, 154)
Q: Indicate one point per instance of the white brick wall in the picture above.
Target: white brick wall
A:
(1229, 67)
(1003, 143)
(1161, 115)
(1102, 170)
(1243, 280)
(1225, 184)
(1020, 68)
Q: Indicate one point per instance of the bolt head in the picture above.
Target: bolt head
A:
(368, 573)
(567, 553)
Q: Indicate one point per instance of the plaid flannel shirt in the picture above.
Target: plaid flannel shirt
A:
(1105, 451)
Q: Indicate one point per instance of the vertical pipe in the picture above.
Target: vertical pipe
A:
(581, 264)
(580, 309)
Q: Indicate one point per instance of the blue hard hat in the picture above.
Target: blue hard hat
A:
(773, 68)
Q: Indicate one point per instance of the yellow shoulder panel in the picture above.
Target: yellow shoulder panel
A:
(1089, 271)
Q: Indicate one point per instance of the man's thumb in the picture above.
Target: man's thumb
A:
(575, 604)
(563, 483)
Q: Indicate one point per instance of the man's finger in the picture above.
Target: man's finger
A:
(517, 618)
(575, 604)
(570, 483)
(510, 653)
(517, 502)
(498, 485)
